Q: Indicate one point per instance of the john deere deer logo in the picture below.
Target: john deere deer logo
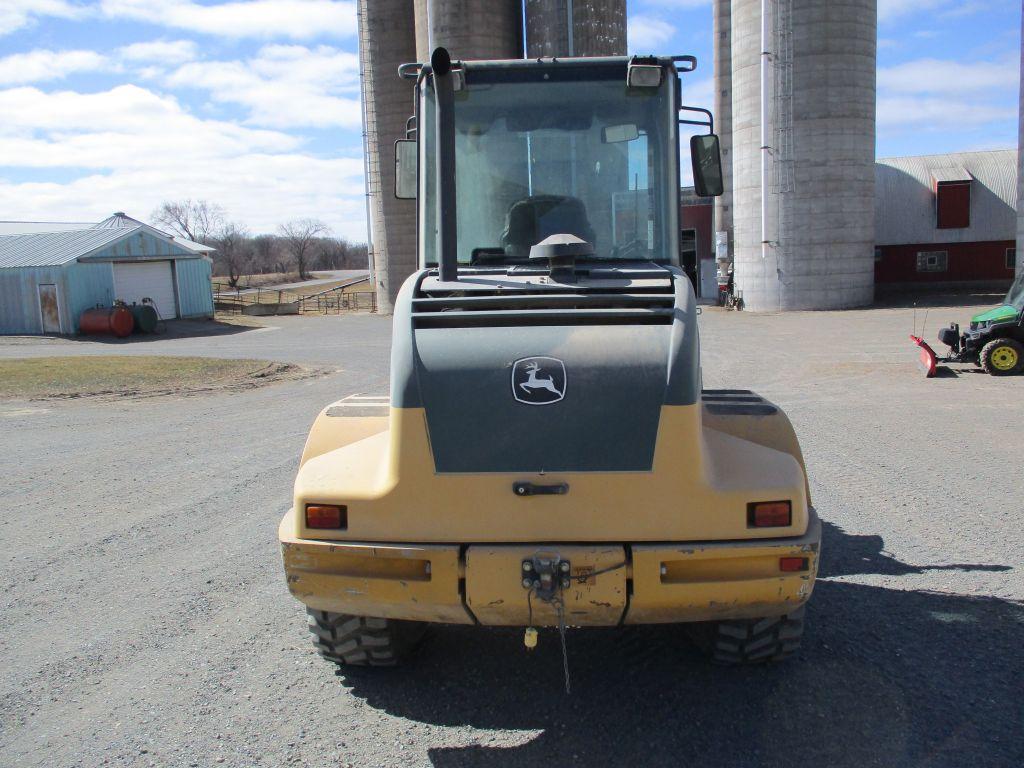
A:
(538, 380)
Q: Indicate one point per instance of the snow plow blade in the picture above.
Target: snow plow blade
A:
(927, 360)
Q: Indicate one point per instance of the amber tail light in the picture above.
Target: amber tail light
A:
(793, 564)
(326, 516)
(769, 514)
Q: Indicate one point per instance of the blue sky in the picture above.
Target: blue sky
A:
(119, 104)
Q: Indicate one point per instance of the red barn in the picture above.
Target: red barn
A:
(946, 218)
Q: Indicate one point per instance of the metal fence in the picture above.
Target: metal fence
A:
(332, 301)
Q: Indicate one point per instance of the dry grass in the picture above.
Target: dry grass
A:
(255, 281)
(120, 376)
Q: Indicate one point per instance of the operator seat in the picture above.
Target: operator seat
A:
(534, 218)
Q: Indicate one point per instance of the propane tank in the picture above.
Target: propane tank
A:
(116, 321)
(145, 317)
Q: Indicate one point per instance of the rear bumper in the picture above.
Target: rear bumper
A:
(644, 583)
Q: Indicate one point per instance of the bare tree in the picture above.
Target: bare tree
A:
(234, 250)
(196, 220)
(265, 248)
(300, 236)
(338, 253)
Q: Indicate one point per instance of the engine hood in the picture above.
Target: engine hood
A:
(997, 315)
(542, 377)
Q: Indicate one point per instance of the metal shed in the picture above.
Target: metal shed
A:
(51, 272)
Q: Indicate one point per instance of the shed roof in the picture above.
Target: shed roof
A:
(53, 243)
(50, 249)
(121, 219)
(905, 197)
(29, 227)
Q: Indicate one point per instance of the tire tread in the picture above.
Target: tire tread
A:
(985, 358)
(753, 641)
(362, 640)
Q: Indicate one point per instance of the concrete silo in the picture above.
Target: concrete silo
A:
(470, 29)
(386, 39)
(816, 248)
(598, 28)
(722, 19)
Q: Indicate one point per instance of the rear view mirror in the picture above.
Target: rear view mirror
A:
(707, 165)
(405, 169)
(613, 134)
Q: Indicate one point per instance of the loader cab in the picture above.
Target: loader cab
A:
(583, 148)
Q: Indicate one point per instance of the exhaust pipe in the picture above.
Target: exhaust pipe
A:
(444, 162)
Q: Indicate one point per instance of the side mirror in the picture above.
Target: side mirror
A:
(405, 169)
(707, 165)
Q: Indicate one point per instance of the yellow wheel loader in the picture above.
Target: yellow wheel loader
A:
(547, 456)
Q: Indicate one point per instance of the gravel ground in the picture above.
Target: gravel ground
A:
(144, 619)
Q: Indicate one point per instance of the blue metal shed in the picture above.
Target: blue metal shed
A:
(51, 273)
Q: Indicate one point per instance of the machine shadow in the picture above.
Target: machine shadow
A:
(886, 677)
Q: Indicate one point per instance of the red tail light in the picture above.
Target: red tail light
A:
(792, 564)
(769, 514)
(326, 516)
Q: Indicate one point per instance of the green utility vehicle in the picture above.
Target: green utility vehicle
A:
(994, 340)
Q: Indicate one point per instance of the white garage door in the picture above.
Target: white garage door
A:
(134, 281)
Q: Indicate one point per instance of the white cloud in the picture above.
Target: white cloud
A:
(965, 9)
(117, 127)
(892, 9)
(40, 65)
(699, 92)
(283, 86)
(136, 148)
(16, 14)
(160, 51)
(296, 19)
(939, 114)
(947, 95)
(889, 10)
(646, 34)
(935, 76)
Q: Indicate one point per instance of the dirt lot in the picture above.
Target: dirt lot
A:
(145, 620)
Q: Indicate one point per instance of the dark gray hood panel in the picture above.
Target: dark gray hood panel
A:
(600, 416)
(606, 419)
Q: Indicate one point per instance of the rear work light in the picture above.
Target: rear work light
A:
(326, 516)
(769, 514)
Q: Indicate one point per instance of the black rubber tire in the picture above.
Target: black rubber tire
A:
(752, 641)
(990, 349)
(363, 641)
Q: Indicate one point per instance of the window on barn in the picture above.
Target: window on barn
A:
(878, 253)
(953, 205)
(1011, 258)
(932, 261)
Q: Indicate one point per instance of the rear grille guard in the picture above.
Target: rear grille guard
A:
(509, 308)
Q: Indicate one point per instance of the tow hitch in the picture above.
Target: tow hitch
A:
(545, 575)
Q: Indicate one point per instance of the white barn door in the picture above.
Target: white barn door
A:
(134, 281)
